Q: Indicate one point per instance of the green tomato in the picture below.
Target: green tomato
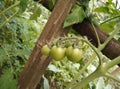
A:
(74, 54)
(57, 53)
(45, 50)
(69, 52)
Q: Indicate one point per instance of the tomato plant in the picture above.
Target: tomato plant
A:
(21, 23)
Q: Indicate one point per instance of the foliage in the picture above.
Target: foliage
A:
(7, 80)
(107, 17)
(108, 14)
(77, 15)
(21, 22)
(20, 28)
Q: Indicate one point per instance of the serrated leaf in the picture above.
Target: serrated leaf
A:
(35, 14)
(7, 81)
(46, 83)
(77, 15)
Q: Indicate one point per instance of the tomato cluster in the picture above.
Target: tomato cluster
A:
(74, 54)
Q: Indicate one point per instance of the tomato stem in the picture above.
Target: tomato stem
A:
(112, 77)
(97, 73)
(82, 70)
(102, 46)
(109, 19)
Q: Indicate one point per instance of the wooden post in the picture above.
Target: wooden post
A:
(37, 63)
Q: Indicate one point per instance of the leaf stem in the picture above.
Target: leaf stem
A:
(95, 50)
(102, 46)
(16, 3)
(7, 20)
(96, 34)
(118, 16)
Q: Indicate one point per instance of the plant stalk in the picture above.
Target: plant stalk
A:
(118, 16)
(112, 77)
(7, 20)
(112, 63)
(16, 3)
(88, 79)
(81, 71)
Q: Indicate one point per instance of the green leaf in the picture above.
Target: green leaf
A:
(46, 83)
(35, 14)
(7, 80)
(3, 55)
(102, 9)
(51, 4)
(119, 39)
(108, 27)
(23, 5)
(77, 15)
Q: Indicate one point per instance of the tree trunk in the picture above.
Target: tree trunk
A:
(37, 63)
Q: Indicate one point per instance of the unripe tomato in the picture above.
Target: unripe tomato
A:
(74, 54)
(57, 53)
(69, 52)
(45, 50)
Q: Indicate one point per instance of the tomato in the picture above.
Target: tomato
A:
(69, 52)
(74, 54)
(57, 53)
(45, 50)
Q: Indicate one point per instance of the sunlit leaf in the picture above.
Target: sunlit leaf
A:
(53, 68)
(108, 27)
(23, 5)
(35, 14)
(46, 83)
(102, 9)
(100, 84)
(76, 16)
